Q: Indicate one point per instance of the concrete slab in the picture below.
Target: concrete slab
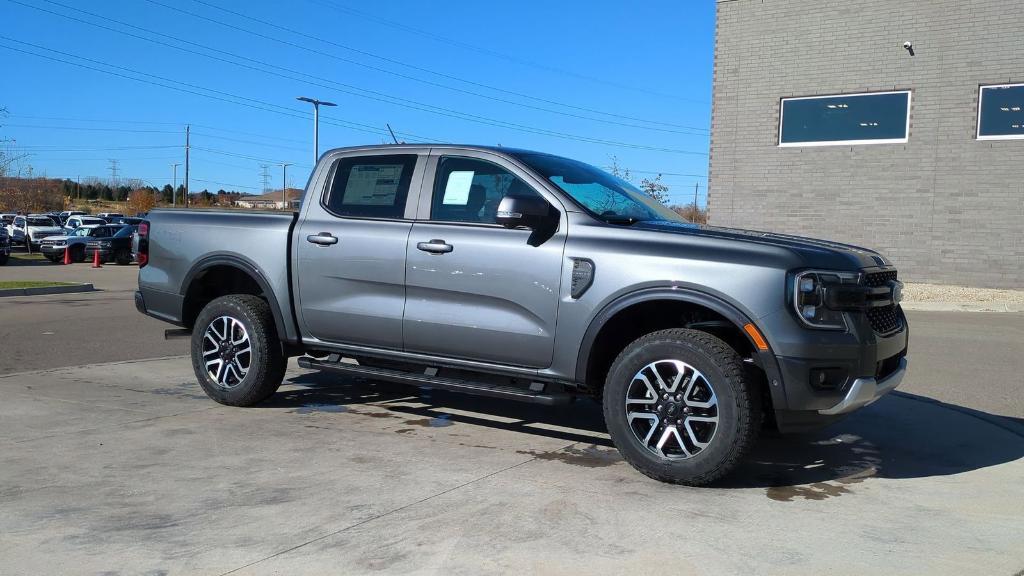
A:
(125, 468)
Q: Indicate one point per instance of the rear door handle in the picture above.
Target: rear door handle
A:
(322, 239)
(435, 246)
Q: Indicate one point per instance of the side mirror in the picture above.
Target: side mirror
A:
(529, 211)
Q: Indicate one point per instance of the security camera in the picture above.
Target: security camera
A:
(908, 45)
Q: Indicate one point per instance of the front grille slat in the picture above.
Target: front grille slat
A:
(885, 319)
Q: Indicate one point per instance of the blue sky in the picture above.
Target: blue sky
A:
(586, 80)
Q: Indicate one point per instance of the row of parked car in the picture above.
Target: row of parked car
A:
(78, 234)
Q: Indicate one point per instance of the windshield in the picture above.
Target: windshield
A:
(40, 221)
(609, 198)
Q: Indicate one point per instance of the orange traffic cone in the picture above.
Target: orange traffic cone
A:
(96, 260)
(67, 255)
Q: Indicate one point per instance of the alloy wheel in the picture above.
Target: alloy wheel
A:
(672, 409)
(227, 351)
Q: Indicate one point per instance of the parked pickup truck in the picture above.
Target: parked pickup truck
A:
(535, 278)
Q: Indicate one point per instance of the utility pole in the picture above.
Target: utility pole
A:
(187, 134)
(284, 184)
(696, 186)
(316, 123)
(174, 184)
(78, 187)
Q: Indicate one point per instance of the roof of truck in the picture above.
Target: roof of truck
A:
(498, 149)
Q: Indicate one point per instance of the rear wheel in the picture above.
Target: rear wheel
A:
(679, 407)
(236, 353)
(123, 257)
(78, 254)
(3, 258)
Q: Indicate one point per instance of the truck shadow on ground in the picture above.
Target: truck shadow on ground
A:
(902, 436)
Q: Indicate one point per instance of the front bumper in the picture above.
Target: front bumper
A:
(825, 375)
(50, 249)
(864, 391)
(105, 253)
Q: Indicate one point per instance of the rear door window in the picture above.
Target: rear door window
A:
(371, 186)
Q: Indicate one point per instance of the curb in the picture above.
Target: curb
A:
(42, 291)
(962, 306)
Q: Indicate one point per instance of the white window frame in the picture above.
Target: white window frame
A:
(906, 130)
(981, 93)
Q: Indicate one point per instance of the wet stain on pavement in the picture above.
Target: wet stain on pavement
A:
(438, 422)
(589, 457)
(818, 490)
(311, 408)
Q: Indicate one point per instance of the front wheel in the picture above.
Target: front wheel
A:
(679, 407)
(236, 354)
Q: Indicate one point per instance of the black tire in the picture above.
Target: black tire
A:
(3, 259)
(52, 258)
(738, 406)
(267, 361)
(78, 254)
(123, 257)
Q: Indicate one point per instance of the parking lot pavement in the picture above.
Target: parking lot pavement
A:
(39, 332)
(127, 468)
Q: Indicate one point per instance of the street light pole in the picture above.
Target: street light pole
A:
(174, 186)
(316, 123)
(284, 185)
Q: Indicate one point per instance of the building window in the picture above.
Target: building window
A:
(1001, 112)
(872, 118)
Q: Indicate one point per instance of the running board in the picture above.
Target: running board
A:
(437, 382)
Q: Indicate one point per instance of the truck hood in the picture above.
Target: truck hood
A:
(816, 253)
(45, 230)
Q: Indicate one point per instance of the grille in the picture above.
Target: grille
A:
(884, 320)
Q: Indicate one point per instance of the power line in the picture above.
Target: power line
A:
(48, 148)
(333, 85)
(224, 184)
(113, 121)
(495, 53)
(90, 129)
(293, 32)
(175, 84)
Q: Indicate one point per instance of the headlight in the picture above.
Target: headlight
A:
(820, 296)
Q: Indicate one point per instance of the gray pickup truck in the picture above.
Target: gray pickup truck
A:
(535, 278)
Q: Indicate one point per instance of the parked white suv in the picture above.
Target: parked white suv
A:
(29, 230)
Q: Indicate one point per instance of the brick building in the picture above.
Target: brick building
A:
(826, 124)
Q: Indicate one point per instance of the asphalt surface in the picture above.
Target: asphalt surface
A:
(127, 468)
(39, 332)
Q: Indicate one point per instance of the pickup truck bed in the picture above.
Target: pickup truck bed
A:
(195, 243)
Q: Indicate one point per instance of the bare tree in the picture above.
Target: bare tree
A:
(653, 187)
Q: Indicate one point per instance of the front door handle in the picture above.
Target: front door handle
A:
(322, 239)
(435, 246)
